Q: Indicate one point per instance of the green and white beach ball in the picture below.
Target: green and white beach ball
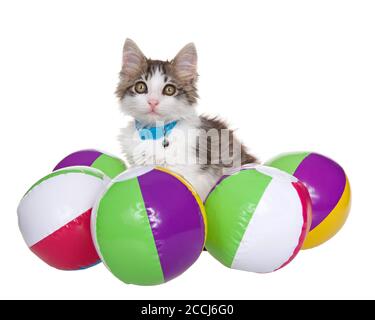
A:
(258, 218)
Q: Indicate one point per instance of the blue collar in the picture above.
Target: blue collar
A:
(147, 132)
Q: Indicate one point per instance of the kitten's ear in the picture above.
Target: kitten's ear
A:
(133, 59)
(185, 63)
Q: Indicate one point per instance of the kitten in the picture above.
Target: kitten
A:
(161, 96)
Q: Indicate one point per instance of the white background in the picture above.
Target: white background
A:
(291, 75)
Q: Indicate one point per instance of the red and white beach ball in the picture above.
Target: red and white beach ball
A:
(54, 217)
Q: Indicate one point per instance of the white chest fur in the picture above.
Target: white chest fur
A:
(180, 155)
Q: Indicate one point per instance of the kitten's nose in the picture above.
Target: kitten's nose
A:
(153, 103)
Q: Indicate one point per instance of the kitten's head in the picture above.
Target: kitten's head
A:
(153, 90)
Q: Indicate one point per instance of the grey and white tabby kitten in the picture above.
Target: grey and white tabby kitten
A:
(161, 96)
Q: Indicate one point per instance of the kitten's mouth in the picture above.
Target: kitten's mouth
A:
(153, 112)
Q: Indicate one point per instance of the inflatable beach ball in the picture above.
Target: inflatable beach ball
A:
(54, 217)
(329, 190)
(149, 226)
(258, 218)
(108, 164)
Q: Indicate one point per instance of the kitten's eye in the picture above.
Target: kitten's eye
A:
(169, 90)
(140, 87)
